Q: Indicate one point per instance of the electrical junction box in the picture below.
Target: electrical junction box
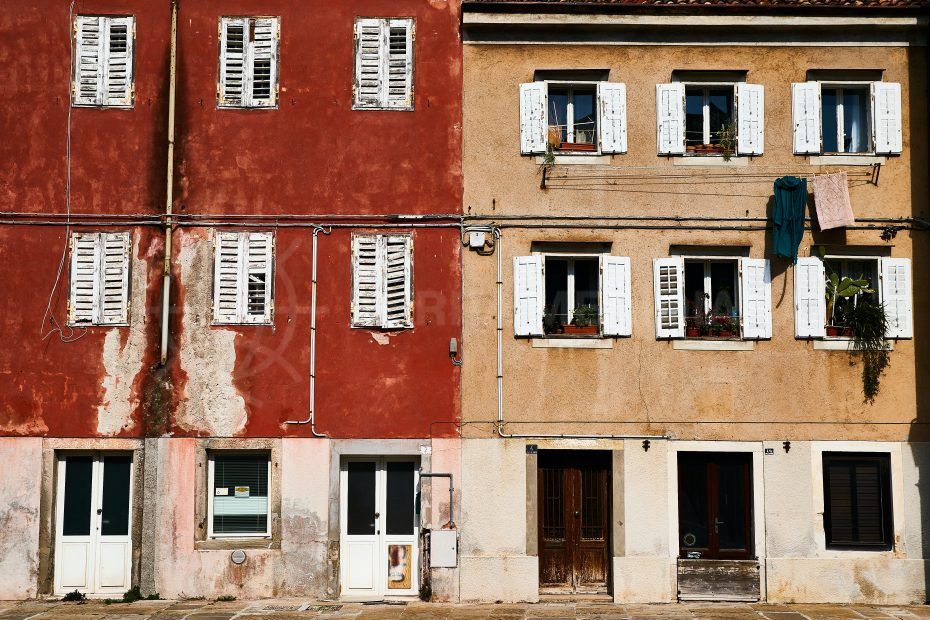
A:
(476, 240)
(443, 548)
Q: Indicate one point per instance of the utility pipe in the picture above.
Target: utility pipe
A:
(169, 198)
(423, 474)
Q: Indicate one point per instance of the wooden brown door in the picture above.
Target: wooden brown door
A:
(574, 520)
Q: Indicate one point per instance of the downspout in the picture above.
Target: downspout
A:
(311, 417)
(166, 271)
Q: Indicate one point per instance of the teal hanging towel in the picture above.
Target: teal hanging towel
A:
(788, 216)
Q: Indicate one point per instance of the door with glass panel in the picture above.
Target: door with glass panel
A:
(379, 529)
(93, 543)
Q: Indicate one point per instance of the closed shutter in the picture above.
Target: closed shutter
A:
(533, 117)
(669, 276)
(670, 118)
(366, 281)
(259, 278)
(398, 252)
(897, 297)
(528, 295)
(805, 111)
(233, 41)
(263, 61)
(88, 60)
(227, 274)
(616, 310)
(750, 114)
(756, 297)
(85, 267)
(612, 116)
(886, 118)
(399, 59)
(99, 279)
(368, 54)
(384, 63)
(857, 500)
(118, 89)
(114, 279)
(810, 310)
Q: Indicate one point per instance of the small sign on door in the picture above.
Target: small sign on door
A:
(242, 491)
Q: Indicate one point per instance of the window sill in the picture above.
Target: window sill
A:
(227, 544)
(573, 343)
(841, 344)
(713, 345)
(845, 160)
(709, 161)
(589, 159)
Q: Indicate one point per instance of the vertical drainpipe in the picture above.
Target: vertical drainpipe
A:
(166, 272)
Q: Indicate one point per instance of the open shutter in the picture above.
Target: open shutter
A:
(366, 281)
(670, 118)
(669, 276)
(259, 278)
(805, 111)
(118, 89)
(399, 70)
(85, 268)
(750, 114)
(756, 297)
(810, 306)
(616, 311)
(263, 63)
(89, 55)
(369, 51)
(114, 279)
(227, 275)
(612, 116)
(533, 117)
(528, 295)
(897, 298)
(233, 49)
(886, 118)
(398, 281)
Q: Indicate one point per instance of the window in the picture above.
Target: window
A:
(847, 118)
(569, 117)
(383, 64)
(710, 118)
(712, 298)
(239, 484)
(99, 279)
(855, 280)
(103, 61)
(857, 500)
(572, 294)
(243, 278)
(248, 74)
(708, 114)
(382, 281)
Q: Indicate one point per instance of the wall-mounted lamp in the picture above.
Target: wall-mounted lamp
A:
(454, 352)
(787, 446)
(646, 445)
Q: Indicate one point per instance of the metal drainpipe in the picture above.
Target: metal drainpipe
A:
(500, 370)
(166, 272)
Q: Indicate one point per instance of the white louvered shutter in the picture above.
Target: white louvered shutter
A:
(227, 275)
(805, 112)
(89, 38)
(233, 52)
(897, 298)
(616, 304)
(669, 284)
(398, 281)
(369, 51)
(118, 87)
(399, 64)
(262, 65)
(255, 289)
(670, 118)
(750, 114)
(85, 269)
(756, 297)
(533, 117)
(114, 279)
(612, 116)
(366, 281)
(886, 118)
(528, 295)
(810, 309)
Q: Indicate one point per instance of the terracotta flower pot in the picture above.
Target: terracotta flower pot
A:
(833, 331)
(581, 329)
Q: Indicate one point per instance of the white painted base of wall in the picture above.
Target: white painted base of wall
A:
(881, 580)
(644, 579)
(509, 579)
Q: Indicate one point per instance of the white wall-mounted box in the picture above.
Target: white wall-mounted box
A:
(443, 549)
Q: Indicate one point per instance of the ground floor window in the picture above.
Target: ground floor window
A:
(857, 500)
(572, 287)
(239, 494)
(712, 298)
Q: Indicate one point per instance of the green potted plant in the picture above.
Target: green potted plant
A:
(728, 140)
(584, 321)
(844, 289)
(868, 323)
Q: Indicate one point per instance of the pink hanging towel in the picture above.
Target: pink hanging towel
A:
(831, 196)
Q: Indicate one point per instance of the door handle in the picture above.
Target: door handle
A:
(717, 523)
(377, 514)
(577, 513)
(100, 511)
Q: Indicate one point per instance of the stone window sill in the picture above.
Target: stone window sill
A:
(589, 159)
(231, 544)
(845, 160)
(573, 343)
(710, 161)
(713, 345)
(841, 344)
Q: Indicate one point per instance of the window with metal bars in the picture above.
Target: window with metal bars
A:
(857, 500)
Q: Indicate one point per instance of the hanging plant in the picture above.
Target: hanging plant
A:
(868, 323)
(728, 140)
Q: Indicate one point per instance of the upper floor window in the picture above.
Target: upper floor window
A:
(709, 116)
(243, 278)
(567, 117)
(383, 64)
(712, 298)
(99, 279)
(847, 118)
(248, 73)
(103, 61)
(382, 281)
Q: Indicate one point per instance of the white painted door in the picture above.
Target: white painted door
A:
(379, 527)
(93, 545)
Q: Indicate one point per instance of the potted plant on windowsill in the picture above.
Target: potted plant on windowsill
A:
(694, 324)
(721, 326)
(584, 321)
(728, 140)
(843, 288)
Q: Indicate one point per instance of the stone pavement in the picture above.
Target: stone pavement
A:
(301, 608)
